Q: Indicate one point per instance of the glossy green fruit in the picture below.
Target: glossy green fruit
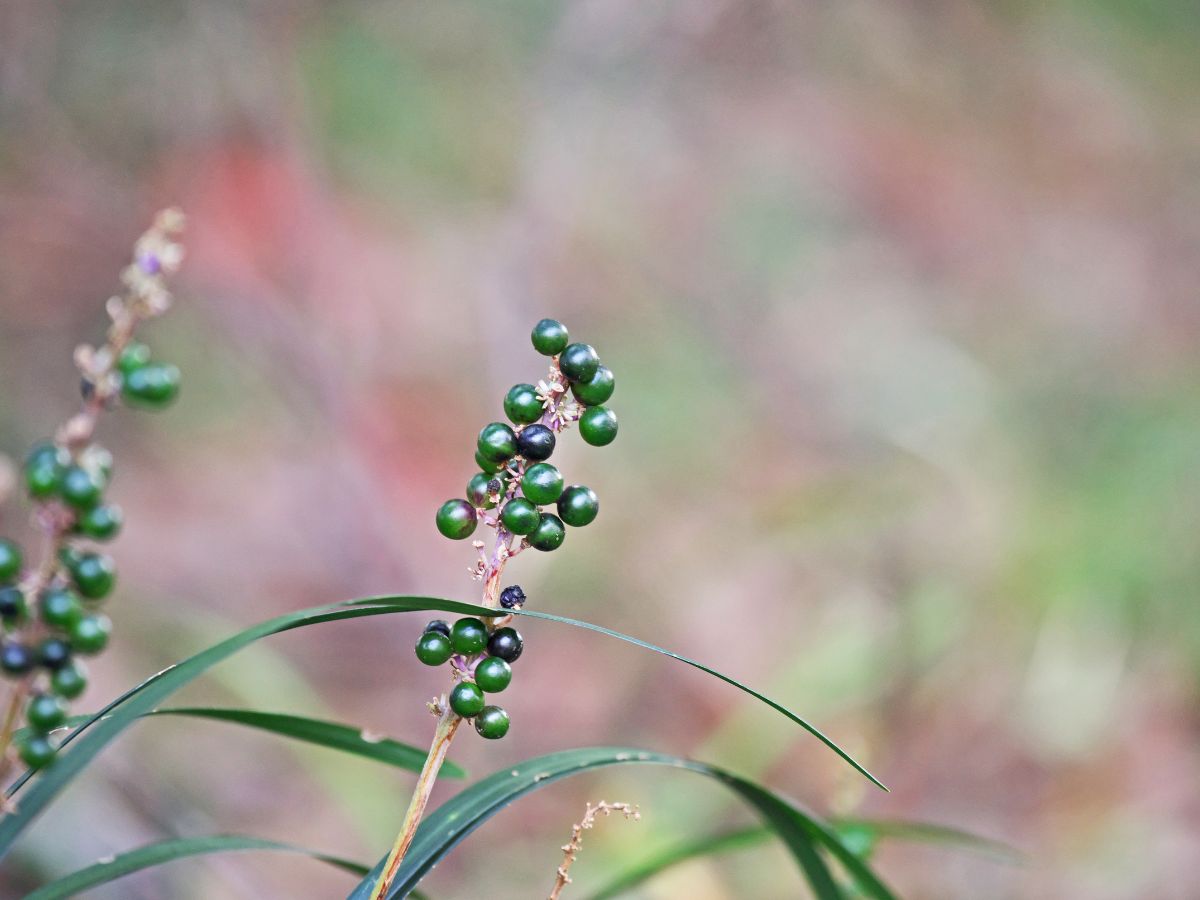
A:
(506, 643)
(522, 404)
(94, 574)
(493, 674)
(542, 483)
(468, 636)
(44, 469)
(595, 390)
(598, 425)
(134, 356)
(579, 362)
(489, 467)
(81, 488)
(433, 648)
(535, 442)
(456, 519)
(60, 608)
(549, 337)
(35, 751)
(491, 723)
(101, 522)
(90, 634)
(153, 385)
(478, 494)
(69, 681)
(520, 516)
(45, 712)
(10, 560)
(578, 506)
(497, 442)
(549, 533)
(466, 699)
(13, 608)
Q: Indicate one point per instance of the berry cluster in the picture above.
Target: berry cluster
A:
(508, 493)
(50, 611)
(482, 664)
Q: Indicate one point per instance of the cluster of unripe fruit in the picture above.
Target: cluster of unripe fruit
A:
(512, 458)
(46, 633)
(483, 662)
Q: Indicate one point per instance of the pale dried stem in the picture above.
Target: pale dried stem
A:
(572, 847)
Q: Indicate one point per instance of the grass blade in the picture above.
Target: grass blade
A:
(167, 851)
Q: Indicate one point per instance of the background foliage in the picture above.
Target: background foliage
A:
(903, 305)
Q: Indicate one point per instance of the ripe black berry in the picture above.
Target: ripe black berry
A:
(438, 625)
(12, 604)
(506, 644)
(54, 653)
(15, 658)
(512, 597)
(535, 442)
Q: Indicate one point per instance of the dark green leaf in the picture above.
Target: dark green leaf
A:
(925, 833)
(466, 811)
(166, 851)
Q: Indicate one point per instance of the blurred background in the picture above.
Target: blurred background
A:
(901, 302)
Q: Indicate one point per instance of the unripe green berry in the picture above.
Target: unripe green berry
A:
(542, 483)
(468, 636)
(456, 519)
(70, 681)
(60, 608)
(493, 674)
(44, 469)
(134, 356)
(152, 386)
(522, 404)
(10, 560)
(549, 337)
(13, 608)
(94, 574)
(478, 494)
(598, 425)
(595, 390)
(90, 634)
(520, 516)
(490, 467)
(491, 723)
(497, 442)
(466, 699)
(579, 362)
(433, 648)
(81, 488)
(549, 533)
(45, 713)
(101, 522)
(35, 751)
(578, 505)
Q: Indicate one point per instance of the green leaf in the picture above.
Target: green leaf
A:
(811, 729)
(926, 833)
(458, 817)
(94, 735)
(326, 734)
(166, 851)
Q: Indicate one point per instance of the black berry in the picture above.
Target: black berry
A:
(535, 442)
(512, 597)
(506, 644)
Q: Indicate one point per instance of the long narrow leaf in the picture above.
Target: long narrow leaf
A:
(452, 822)
(167, 851)
(926, 833)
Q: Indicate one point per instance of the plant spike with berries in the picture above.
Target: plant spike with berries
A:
(50, 608)
(522, 498)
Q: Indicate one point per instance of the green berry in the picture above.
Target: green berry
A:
(491, 723)
(497, 442)
(598, 425)
(520, 516)
(44, 469)
(36, 752)
(542, 483)
(466, 699)
(10, 560)
(477, 491)
(535, 442)
(489, 467)
(81, 488)
(134, 356)
(456, 519)
(90, 634)
(578, 505)
(468, 636)
(60, 608)
(101, 522)
(13, 608)
(433, 648)
(549, 533)
(69, 681)
(595, 390)
(579, 362)
(153, 385)
(506, 643)
(493, 674)
(94, 574)
(522, 404)
(549, 336)
(45, 712)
